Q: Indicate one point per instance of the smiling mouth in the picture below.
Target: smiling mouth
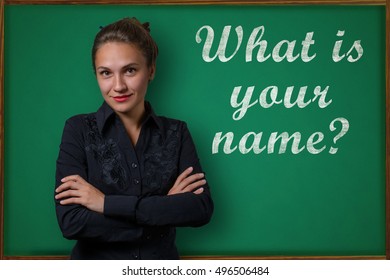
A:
(122, 98)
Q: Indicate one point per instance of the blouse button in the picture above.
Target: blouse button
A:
(136, 181)
(134, 165)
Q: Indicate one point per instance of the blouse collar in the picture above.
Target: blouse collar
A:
(105, 115)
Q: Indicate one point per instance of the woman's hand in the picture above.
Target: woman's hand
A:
(75, 190)
(188, 183)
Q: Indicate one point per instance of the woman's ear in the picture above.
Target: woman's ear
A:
(152, 72)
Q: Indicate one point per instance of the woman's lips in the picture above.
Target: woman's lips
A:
(121, 98)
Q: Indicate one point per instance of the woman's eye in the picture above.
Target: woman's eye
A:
(104, 73)
(130, 70)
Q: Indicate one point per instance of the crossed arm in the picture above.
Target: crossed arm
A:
(75, 190)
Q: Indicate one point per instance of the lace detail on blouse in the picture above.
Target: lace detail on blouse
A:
(106, 153)
(161, 160)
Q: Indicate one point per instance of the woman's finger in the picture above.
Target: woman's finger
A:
(183, 175)
(68, 185)
(194, 186)
(75, 178)
(189, 184)
(71, 200)
(68, 193)
(199, 191)
(189, 180)
(176, 187)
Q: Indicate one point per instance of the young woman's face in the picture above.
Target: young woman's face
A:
(123, 77)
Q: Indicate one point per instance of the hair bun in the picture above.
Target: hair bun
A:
(146, 25)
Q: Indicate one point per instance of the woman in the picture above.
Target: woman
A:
(125, 177)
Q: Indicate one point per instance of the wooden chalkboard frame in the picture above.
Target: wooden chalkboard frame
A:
(200, 2)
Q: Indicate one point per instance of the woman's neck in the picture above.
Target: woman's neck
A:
(132, 122)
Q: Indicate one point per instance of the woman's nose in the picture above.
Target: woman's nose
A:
(120, 85)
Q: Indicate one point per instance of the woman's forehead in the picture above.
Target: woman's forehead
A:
(118, 54)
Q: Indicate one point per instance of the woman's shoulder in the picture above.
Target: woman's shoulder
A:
(81, 118)
(165, 123)
(81, 122)
(171, 123)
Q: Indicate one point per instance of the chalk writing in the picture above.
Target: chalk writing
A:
(257, 48)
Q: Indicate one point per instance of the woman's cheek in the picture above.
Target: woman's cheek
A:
(104, 87)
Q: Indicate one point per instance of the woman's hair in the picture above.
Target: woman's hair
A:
(130, 31)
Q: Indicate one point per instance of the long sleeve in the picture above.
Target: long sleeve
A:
(76, 221)
(187, 209)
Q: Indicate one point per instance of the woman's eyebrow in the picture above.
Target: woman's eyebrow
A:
(102, 68)
(130, 65)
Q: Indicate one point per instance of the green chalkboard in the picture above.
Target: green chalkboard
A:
(272, 198)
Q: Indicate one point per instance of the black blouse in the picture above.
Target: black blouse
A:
(139, 219)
